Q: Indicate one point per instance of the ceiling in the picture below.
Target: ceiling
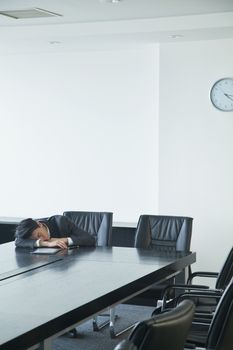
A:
(94, 24)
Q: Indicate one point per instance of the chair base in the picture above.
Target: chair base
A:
(97, 327)
(113, 333)
(73, 333)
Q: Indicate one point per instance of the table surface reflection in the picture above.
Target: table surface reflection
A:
(42, 295)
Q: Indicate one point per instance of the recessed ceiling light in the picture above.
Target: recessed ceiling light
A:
(175, 36)
(111, 1)
(54, 42)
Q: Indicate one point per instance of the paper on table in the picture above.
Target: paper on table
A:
(46, 250)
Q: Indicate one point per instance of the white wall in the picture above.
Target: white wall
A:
(79, 132)
(196, 145)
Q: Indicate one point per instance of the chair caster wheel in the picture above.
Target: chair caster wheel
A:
(73, 333)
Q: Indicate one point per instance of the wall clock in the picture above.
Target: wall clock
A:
(221, 94)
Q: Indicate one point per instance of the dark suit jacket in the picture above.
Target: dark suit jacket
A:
(60, 226)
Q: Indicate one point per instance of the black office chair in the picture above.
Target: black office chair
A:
(163, 332)
(204, 305)
(164, 234)
(98, 224)
(219, 334)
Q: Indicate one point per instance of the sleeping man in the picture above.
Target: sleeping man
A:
(56, 231)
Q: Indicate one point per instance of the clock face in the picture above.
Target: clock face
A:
(221, 94)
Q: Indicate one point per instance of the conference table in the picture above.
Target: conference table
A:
(43, 296)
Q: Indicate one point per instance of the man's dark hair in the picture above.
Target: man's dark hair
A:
(25, 228)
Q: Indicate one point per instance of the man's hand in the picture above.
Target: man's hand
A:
(55, 242)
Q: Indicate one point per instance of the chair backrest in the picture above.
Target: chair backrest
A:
(164, 233)
(220, 335)
(99, 224)
(165, 331)
(226, 273)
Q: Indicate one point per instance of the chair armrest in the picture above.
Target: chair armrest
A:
(211, 293)
(185, 287)
(202, 274)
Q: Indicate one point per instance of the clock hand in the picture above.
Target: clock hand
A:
(230, 96)
(224, 93)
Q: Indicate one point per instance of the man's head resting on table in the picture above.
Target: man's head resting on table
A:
(33, 229)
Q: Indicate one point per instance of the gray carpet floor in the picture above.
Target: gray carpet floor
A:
(89, 340)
